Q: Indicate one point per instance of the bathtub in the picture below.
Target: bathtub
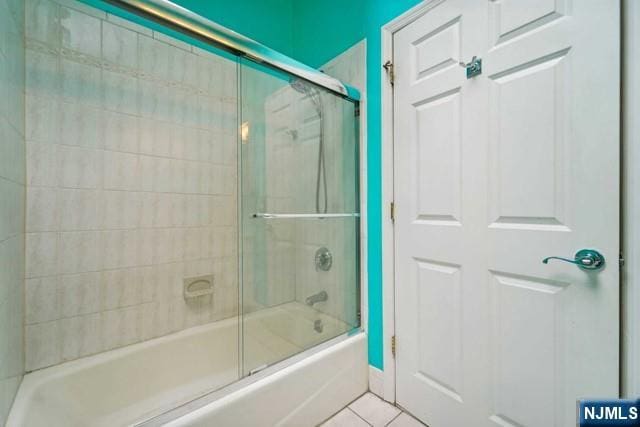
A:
(140, 383)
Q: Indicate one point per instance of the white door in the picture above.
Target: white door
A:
(493, 174)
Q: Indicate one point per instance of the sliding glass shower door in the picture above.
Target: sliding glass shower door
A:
(299, 215)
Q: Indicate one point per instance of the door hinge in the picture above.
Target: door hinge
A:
(388, 66)
(621, 260)
(393, 346)
(356, 111)
(392, 211)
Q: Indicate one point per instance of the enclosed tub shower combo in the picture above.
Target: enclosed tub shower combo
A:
(192, 225)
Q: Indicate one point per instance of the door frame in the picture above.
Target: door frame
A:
(630, 206)
(630, 238)
(388, 376)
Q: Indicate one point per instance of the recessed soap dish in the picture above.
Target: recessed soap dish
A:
(195, 287)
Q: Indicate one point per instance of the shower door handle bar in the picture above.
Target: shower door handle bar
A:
(266, 215)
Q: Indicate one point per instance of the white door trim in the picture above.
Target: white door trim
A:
(630, 275)
(386, 133)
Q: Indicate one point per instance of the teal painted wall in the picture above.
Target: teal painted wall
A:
(313, 32)
(325, 28)
(322, 30)
(380, 12)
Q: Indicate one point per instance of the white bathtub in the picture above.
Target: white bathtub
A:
(133, 384)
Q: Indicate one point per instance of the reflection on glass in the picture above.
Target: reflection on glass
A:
(300, 270)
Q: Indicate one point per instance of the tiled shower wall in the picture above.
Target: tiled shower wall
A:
(12, 198)
(131, 183)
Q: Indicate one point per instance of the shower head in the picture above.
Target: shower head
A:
(309, 91)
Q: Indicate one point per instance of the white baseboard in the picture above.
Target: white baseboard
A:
(376, 381)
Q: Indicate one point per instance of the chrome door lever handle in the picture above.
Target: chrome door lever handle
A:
(586, 259)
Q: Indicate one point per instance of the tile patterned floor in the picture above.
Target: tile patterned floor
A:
(369, 410)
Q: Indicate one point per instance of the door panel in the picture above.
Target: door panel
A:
(430, 194)
(492, 174)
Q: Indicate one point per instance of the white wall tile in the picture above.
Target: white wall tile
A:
(120, 92)
(179, 142)
(154, 58)
(79, 167)
(148, 203)
(119, 172)
(42, 119)
(42, 212)
(41, 164)
(80, 251)
(80, 82)
(162, 210)
(177, 59)
(80, 32)
(119, 45)
(191, 71)
(162, 175)
(42, 74)
(41, 300)
(121, 209)
(147, 316)
(41, 19)
(42, 345)
(120, 327)
(225, 208)
(80, 336)
(120, 248)
(120, 288)
(173, 42)
(146, 278)
(41, 254)
(79, 294)
(120, 132)
(155, 137)
(80, 125)
(80, 209)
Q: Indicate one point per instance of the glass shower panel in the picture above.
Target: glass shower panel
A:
(300, 222)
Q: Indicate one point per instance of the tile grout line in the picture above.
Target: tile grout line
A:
(358, 415)
(343, 408)
(394, 418)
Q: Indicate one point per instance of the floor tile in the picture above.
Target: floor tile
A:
(345, 418)
(374, 410)
(405, 420)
